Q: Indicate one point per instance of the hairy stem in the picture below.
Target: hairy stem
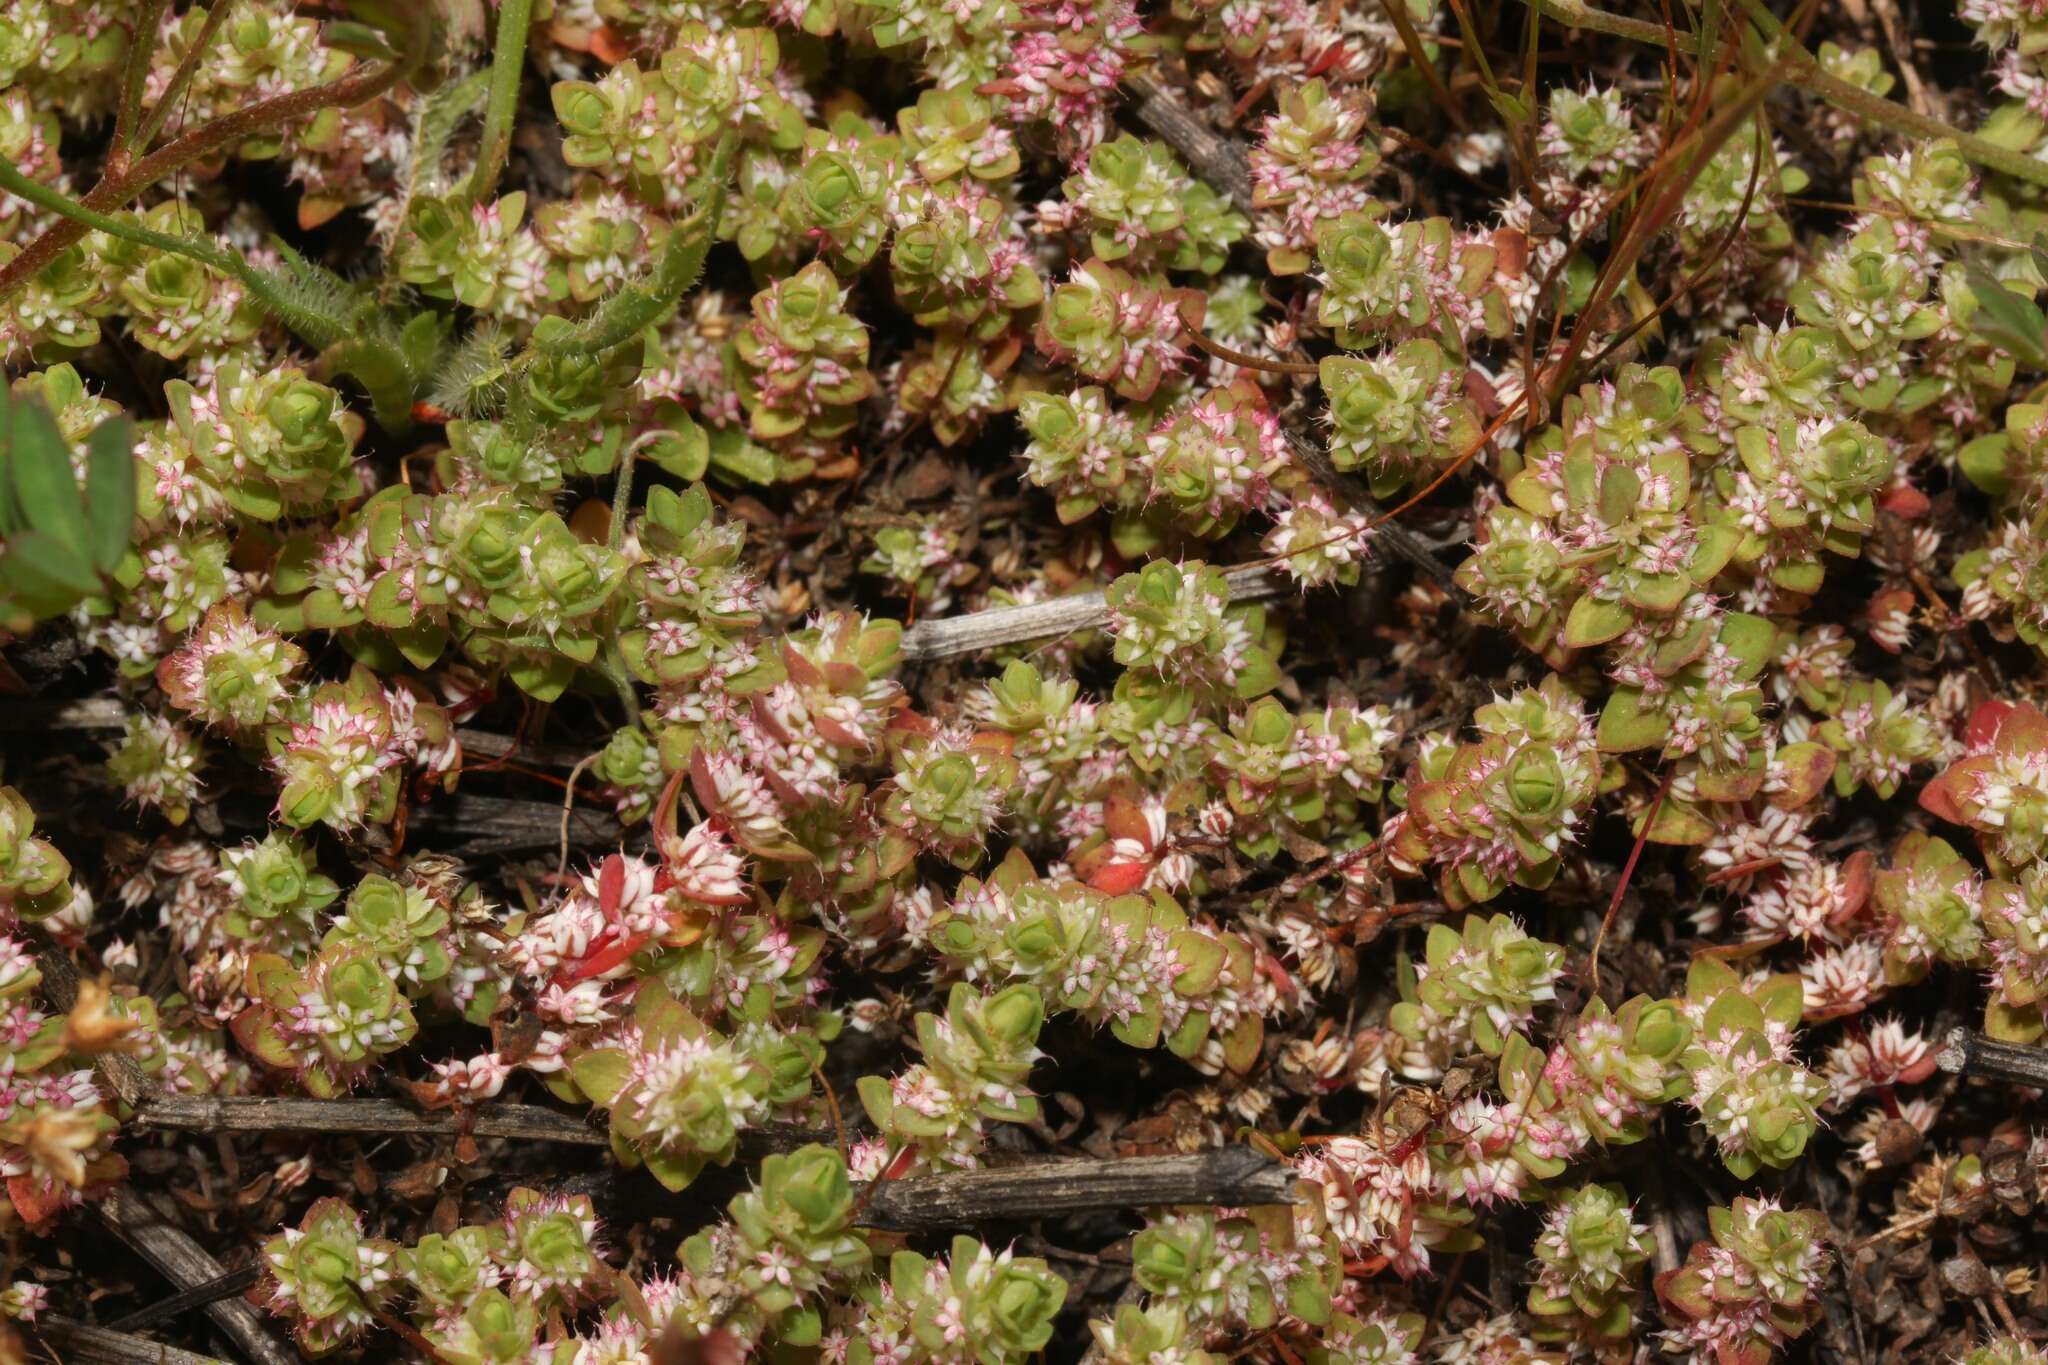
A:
(508, 65)
(209, 254)
(637, 306)
(376, 364)
(115, 190)
(135, 73)
(182, 78)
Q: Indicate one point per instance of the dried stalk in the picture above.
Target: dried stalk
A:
(198, 1296)
(928, 640)
(76, 1343)
(120, 1071)
(1211, 155)
(1231, 1177)
(157, 1239)
(1974, 1054)
(391, 1118)
(1030, 1188)
(263, 1114)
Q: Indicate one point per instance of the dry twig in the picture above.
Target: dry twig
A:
(160, 1241)
(77, 1343)
(1974, 1054)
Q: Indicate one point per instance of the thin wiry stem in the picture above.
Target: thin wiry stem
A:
(1804, 71)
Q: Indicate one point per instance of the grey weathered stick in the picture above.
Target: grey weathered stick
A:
(76, 1343)
(182, 1261)
(528, 1122)
(1974, 1054)
(1233, 1177)
(1229, 1177)
(1212, 156)
(262, 1114)
(198, 1296)
(1061, 616)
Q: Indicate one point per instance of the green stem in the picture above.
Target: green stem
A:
(1572, 14)
(622, 499)
(1854, 99)
(614, 668)
(508, 66)
(381, 375)
(153, 123)
(635, 307)
(1806, 73)
(614, 657)
(227, 262)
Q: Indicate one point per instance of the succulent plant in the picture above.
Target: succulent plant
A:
(1752, 1289)
(1588, 1256)
(1753, 1097)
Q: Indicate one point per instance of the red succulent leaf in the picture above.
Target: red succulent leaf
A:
(1119, 879)
(1940, 796)
(36, 1203)
(1985, 723)
(1901, 499)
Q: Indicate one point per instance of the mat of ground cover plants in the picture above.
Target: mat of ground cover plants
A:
(883, 681)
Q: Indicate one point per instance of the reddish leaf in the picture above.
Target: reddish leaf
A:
(1119, 879)
(30, 1202)
(1901, 499)
(611, 885)
(1125, 819)
(1938, 797)
(1985, 722)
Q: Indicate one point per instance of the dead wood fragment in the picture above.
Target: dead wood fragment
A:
(77, 1343)
(979, 630)
(1230, 1177)
(1210, 154)
(198, 1296)
(155, 1236)
(1974, 1054)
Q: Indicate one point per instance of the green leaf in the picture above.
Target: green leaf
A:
(1625, 726)
(110, 491)
(40, 472)
(601, 1072)
(1594, 622)
(358, 40)
(1985, 463)
(38, 562)
(1201, 960)
(732, 453)
(2004, 318)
